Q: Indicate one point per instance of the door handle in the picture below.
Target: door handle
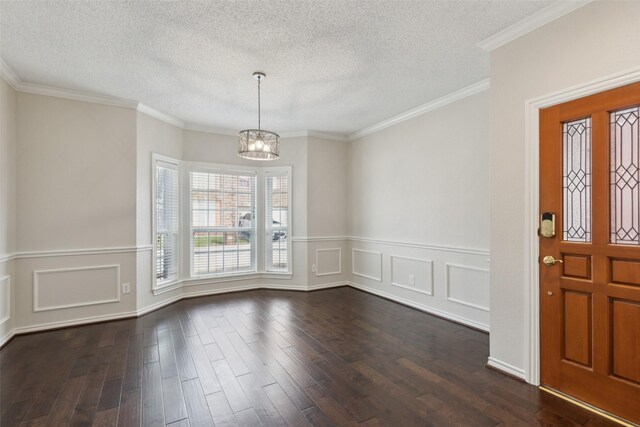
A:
(549, 260)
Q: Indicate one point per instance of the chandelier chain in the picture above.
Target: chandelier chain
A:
(259, 103)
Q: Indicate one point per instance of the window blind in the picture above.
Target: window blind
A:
(277, 221)
(223, 226)
(167, 222)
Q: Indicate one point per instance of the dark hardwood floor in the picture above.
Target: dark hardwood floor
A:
(333, 357)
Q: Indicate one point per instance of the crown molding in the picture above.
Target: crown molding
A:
(328, 135)
(14, 81)
(291, 134)
(76, 95)
(530, 23)
(294, 134)
(425, 108)
(8, 75)
(210, 129)
(149, 111)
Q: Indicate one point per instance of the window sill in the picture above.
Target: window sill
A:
(277, 275)
(217, 278)
(166, 287)
(220, 278)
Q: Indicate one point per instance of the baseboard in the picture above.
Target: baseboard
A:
(76, 322)
(285, 287)
(4, 341)
(158, 305)
(321, 286)
(430, 310)
(506, 368)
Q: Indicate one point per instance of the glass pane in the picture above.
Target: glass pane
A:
(166, 210)
(576, 180)
(277, 221)
(625, 176)
(222, 210)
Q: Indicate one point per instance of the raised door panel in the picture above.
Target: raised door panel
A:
(577, 327)
(625, 340)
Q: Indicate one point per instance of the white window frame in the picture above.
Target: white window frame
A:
(265, 173)
(169, 162)
(184, 265)
(187, 228)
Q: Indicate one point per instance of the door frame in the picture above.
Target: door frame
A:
(532, 201)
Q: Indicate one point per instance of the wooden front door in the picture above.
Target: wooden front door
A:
(590, 297)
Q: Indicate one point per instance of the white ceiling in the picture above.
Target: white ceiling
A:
(332, 66)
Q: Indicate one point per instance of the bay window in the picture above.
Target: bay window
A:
(234, 221)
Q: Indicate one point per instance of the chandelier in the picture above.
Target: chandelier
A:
(258, 144)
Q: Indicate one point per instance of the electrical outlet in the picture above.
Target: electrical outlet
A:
(313, 268)
(412, 279)
(126, 288)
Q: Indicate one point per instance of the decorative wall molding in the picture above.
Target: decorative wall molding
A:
(445, 315)
(366, 276)
(79, 252)
(4, 340)
(152, 112)
(8, 75)
(319, 239)
(37, 307)
(448, 297)
(329, 136)
(5, 288)
(430, 275)
(328, 273)
(210, 129)
(425, 108)
(321, 286)
(7, 257)
(75, 322)
(20, 86)
(459, 249)
(75, 95)
(530, 23)
(507, 368)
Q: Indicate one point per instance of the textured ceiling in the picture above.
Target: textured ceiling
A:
(333, 66)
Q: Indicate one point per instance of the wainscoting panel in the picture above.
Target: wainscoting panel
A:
(451, 282)
(467, 285)
(5, 299)
(328, 261)
(367, 264)
(413, 274)
(75, 287)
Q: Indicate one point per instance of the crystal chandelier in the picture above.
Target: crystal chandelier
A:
(258, 144)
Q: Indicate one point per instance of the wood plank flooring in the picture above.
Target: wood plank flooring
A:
(275, 358)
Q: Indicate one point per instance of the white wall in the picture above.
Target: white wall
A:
(413, 189)
(7, 207)
(76, 204)
(597, 40)
(153, 136)
(327, 245)
(76, 163)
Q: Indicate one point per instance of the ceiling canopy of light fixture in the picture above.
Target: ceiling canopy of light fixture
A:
(258, 144)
